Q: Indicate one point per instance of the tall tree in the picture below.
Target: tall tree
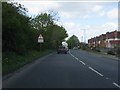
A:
(73, 41)
(16, 30)
(53, 34)
(58, 35)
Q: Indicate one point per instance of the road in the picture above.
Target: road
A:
(77, 69)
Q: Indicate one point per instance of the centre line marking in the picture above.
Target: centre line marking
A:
(95, 71)
(76, 58)
(116, 84)
(71, 55)
(82, 62)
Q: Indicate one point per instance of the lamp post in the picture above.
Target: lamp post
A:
(40, 40)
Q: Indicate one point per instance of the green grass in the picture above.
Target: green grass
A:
(12, 61)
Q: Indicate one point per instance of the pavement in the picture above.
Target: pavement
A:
(77, 69)
(102, 54)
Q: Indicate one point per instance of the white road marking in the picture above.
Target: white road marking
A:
(95, 71)
(82, 62)
(76, 58)
(71, 55)
(116, 84)
(92, 69)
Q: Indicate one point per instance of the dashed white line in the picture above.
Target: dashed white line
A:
(76, 58)
(116, 84)
(95, 71)
(89, 67)
(72, 55)
(82, 62)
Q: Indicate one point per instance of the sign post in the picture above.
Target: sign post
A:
(40, 40)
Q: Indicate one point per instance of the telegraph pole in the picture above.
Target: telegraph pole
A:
(81, 38)
(84, 35)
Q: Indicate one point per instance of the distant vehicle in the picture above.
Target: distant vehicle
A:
(75, 48)
(62, 49)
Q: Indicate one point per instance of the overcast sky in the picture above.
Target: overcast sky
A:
(93, 17)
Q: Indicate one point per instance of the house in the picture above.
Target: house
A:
(112, 39)
(108, 40)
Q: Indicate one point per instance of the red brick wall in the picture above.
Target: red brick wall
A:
(102, 38)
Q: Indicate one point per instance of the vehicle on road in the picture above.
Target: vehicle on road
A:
(62, 49)
(75, 48)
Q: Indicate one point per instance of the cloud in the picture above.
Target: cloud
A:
(113, 13)
(97, 8)
(102, 13)
(78, 30)
(76, 16)
(85, 16)
(73, 28)
(110, 26)
(66, 9)
(65, 14)
(35, 7)
(81, 10)
(101, 29)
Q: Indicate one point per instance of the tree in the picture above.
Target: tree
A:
(20, 32)
(17, 33)
(73, 41)
(53, 34)
(58, 35)
(43, 20)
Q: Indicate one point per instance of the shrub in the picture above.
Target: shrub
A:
(97, 50)
(118, 52)
(111, 52)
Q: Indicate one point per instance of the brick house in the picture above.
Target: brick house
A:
(108, 40)
(91, 42)
(112, 39)
(103, 40)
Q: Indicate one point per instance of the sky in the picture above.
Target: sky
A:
(85, 19)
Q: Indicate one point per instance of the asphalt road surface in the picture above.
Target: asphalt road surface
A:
(77, 69)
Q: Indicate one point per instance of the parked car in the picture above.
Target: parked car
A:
(62, 49)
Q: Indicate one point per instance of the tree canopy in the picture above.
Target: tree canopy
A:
(53, 34)
(20, 32)
(15, 28)
(73, 41)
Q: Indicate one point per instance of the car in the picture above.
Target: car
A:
(62, 49)
(75, 48)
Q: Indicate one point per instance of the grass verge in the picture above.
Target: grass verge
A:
(12, 61)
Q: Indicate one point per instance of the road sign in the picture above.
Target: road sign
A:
(40, 39)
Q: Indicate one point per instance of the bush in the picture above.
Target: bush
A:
(111, 52)
(97, 50)
(12, 61)
(118, 52)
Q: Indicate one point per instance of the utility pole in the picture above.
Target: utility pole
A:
(84, 35)
(81, 38)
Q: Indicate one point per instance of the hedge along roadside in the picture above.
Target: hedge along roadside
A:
(12, 61)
